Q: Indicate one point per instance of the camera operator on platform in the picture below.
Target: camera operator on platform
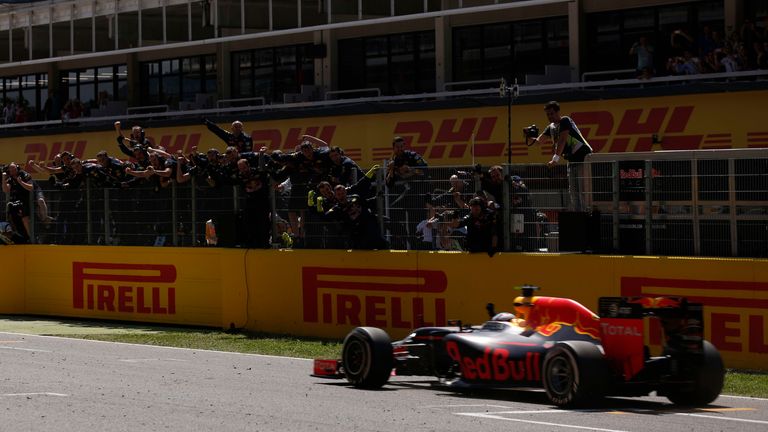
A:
(567, 143)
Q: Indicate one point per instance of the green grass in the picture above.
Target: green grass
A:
(739, 383)
(746, 383)
(285, 346)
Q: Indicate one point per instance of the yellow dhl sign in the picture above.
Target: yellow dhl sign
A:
(464, 136)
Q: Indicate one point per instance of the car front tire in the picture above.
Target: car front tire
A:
(367, 357)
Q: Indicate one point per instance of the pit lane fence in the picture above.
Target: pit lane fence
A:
(679, 205)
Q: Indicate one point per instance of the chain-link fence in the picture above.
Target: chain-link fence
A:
(713, 207)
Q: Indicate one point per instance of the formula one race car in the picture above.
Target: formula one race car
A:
(555, 343)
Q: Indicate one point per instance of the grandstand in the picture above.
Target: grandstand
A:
(356, 72)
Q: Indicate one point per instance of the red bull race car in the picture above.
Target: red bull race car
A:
(577, 356)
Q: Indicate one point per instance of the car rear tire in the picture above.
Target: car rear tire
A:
(367, 357)
(708, 374)
(574, 374)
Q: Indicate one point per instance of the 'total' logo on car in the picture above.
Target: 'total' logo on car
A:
(128, 288)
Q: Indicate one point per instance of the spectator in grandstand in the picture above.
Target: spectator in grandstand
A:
(234, 138)
(705, 42)
(9, 111)
(643, 52)
(729, 61)
(761, 61)
(749, 34)
(567, 143)
(712, 62)
(72, 109)
(482, 233)
(680, 42)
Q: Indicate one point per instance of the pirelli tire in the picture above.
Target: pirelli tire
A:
(367, 357)
(575, 374)
(707, 374)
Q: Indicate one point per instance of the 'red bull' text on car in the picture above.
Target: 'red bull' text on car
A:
(556, 343)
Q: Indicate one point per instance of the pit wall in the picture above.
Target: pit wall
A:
(326, 293)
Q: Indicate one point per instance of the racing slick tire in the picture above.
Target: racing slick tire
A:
(574, 374)
(367, 357)
(708, 375)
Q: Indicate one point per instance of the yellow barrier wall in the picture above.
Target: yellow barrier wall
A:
(12, 272)
(178, 286)
(686, 122)
(326, 293)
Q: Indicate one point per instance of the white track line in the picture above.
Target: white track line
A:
(724, 418)
(151, 346)
(34, 394)
(569, 426)
(24, 349)
(744, 397)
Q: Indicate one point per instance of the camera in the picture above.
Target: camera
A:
(531, 131)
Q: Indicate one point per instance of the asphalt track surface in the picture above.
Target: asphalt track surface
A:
(62, 384)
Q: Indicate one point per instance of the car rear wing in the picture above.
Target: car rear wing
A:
(681, 321)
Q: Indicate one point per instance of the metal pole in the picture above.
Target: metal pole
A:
(107, 224)
(695, 207)
(509, 126)
(648, 203)
(33, 207)
(380, 176)
(273, 206)
(506, 205)
(174, 215)
(615, 213)
(193, 206)
(88, 219)
(732, 217)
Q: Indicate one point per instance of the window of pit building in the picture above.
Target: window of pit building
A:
(395, 64)
(29, 90)
(95, 87)
(757, 10)
(509, 49)
(170, 81)
(610, 35)
(272, 72)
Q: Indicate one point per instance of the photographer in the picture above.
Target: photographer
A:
(567, 143)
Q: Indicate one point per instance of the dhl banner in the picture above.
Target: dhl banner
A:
(326, 293)
(466, 135)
